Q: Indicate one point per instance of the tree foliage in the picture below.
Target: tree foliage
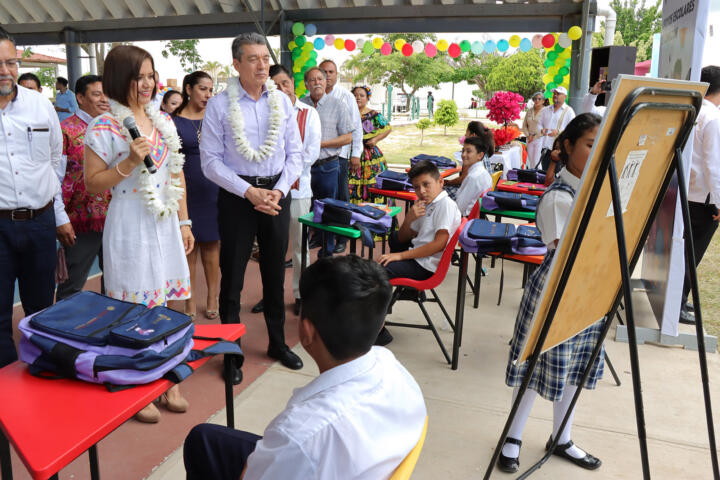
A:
(421, 125)
(474, 69)
(47, 76)
(409, 74)
(447, 114)
(636, 25)
(521, 72)
(186, 51)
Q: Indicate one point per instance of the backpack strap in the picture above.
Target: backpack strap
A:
(562, 117)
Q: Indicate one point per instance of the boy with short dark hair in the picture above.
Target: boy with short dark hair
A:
(477, 179)
(358, 420)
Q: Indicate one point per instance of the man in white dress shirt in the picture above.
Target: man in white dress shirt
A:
(356, 421)
(704, 189)
(31, 207)
(352, 151)
(554, 118)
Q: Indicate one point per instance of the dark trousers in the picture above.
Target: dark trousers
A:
(79, 259)
(217, 452)
(343, 189)
(404, 268)
(239, 224)
(703, 228)
(28, 255)
(324, 184)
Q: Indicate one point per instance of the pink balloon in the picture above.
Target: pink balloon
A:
(330, 40)
(386, 49)
(537, 41)
(430, 50)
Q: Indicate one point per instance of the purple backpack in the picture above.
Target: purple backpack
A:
(99, 339)
(368, 220)
(527, 176)
(390, 180)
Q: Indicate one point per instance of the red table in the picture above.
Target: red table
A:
(520, 187)
(444, 173)
(52, 422)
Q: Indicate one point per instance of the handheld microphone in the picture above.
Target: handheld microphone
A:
(130, 124)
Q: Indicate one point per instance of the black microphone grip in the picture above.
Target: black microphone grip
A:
(129, 123)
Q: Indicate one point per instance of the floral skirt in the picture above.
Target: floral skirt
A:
(371, 164)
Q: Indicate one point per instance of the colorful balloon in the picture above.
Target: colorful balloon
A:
(537, 41)
(360, 43)
(399, 44)
(310, 29)
(430, 50)
(349, 45)
(503, 45)
(548, 40)
(558, 78)
(454, 50)
(548, 63)
(319, 43)
(292, 45)
(564, 41)
(552, 56)
(525, 45)
(547, 78)
(339, 43)
(465, 46)
(386, 49)
(490, 46)
(368, 48)
(442, 45)
(515, 41)
(300, 41)
(477, 47)
(558, 48)
(308, 47)
(407, 50)
(548, 93)
(575, 33)
(329, 40)
(298, 28)
(417, 46)
(564, 71)
(377, 43)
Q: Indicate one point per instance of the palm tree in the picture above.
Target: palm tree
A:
(213, 68)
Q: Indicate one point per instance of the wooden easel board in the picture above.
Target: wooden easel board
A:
(642, 160)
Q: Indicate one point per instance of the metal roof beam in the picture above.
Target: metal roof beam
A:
(203, 6)
(35, 10)
(115, 8)
(137, 7)
(95, 9)
(19, 15)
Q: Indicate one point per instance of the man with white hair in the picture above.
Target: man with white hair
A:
(553, 120)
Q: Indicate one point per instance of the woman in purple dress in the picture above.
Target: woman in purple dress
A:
(201, 194)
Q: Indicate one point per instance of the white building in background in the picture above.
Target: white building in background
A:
(711, 55)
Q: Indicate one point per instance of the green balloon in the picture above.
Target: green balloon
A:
(568, 62)
(298, 29)
(551, 86)
(465, 46)
(296, 52)
(313, 54)
(312, 62)
(564, 71)
(552, 56)
(300, 40)
(558, 48)
(298, 77)
(548, 63)
(368, 48)
(305, 69)
(558, 78)
(308, 47)
(548, 93)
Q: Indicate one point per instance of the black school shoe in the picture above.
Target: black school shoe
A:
(259, 307)
(509, 464)
(686, 316)
(588, 462)
(286, 357)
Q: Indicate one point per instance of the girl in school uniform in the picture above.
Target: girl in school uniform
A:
(559, 371)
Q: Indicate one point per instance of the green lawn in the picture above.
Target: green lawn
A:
(404, 143)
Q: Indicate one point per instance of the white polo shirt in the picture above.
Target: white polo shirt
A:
(554, 210)
(441, 214)
(550, 119)
(476, 182)
(356, 421)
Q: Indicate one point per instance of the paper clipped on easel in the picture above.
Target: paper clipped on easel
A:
(628, 178)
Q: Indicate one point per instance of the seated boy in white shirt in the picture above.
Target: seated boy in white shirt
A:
(416, 249)
(478, 179)
(358, 420)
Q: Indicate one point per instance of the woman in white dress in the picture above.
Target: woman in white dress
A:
(147, 234)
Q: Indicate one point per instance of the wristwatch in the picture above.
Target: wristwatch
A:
(186, 222)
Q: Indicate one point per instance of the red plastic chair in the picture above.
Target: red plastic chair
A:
(429, 284)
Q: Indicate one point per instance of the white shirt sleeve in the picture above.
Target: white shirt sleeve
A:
(470, 190)
(58, 162)
(552, 215)
(277, 457)
(710, 157)
(588, 103)
(357, 132)
(444, 218)
(313, 134)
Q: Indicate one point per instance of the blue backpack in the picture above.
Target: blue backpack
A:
(483, 236)
(99, 339)
(440, 162)
(368, 220)
(390, 180)
(510, 201)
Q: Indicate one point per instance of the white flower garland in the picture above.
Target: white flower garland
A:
(173, 191)
(237, 122)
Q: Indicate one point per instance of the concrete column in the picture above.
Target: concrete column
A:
(285, 37)
(73, 54)
(580, 54)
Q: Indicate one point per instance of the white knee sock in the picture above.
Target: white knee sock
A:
(518, 424)
(560, 407)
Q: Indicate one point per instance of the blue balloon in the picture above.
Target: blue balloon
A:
(318, 43)
(503, 45)
(310, 29)
(477, 47)
(525, 45)
(489, 46)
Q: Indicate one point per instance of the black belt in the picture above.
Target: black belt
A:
(323, 161)
(22, 214)
(262, 182)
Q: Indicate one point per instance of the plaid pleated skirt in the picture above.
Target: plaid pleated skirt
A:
(564, 363)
